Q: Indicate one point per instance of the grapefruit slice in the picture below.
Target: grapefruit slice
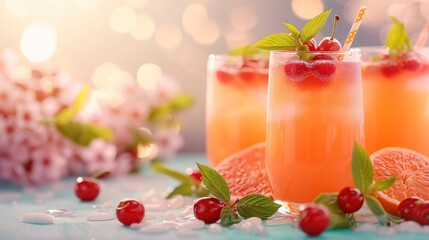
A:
(245, 172)
(412, 176)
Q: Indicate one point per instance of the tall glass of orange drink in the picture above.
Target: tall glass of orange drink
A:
(235, 104)
(396, 99)
(314, 116)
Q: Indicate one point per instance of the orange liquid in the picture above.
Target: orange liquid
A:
(236, 111)
(396, 109)
(311, 131)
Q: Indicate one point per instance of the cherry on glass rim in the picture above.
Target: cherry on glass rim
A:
(87, 189)
(208, 209)
(130, 211)
(314, 219)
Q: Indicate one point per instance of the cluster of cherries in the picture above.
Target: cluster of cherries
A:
(405, 61)
(244, 73)
(322, 66)
(314, 219)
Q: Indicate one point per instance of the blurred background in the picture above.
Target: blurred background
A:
(94, 39)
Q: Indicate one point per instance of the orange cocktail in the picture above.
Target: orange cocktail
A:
(314, 115)
(396, 99)
(236, 104)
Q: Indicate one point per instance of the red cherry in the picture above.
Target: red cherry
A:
(324, 70)
(194, 173)
(314, 219)
(208, 209)
(296, 70)
(246, 74)
(350, 200)
(86, 189)
(224, 76)
(390, 68)
(407, 206)
(330, 43)
(312, 45)
(412, 63)
(421, 213)
(130, 211)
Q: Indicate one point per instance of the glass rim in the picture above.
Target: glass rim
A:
(335, 53)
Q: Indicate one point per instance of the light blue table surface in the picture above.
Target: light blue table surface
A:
(61, 196)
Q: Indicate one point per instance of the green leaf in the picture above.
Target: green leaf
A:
(292, 29)
(376, 208)
(381, 185)
(247, 50)
(141, 138)
(215, 183)
(164, 111)
(313, 27)
(277, 41)
(257, 205)
(179, 176)
(228, 217)
(181, 102)
(83, 133)
(362, 170)
(184, 189)
(69, 113)
(338, 218)
(397, 39)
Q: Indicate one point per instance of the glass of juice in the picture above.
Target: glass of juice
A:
(235, 104)
(396, 99)
(314, 116)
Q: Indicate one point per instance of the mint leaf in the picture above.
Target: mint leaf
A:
(381, 185)
(184, 189)
(83, 133)
(69, 113)
(181, 177)
(277, 41)
(163, 112)
(257, 205)
(247, 50)
(304, 53)
(228, 217)
(292, 29)
(376, 208)
(313, 27)
(215, 183)
(362, 170)
(397, 39)
(338, 218)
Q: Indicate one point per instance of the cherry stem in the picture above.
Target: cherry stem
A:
(336, 19)
(99, 173)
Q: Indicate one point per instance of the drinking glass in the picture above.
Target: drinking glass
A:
(314, 116)
(235, 104)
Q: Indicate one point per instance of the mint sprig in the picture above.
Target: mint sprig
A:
(338, 218)
(397, 39)
(188, 187)
(247, 50)
(362, 171)
(295, 39)
(253, 205)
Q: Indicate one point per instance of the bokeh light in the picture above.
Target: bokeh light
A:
(193, 16)
(136, 4)
(144, 28)
(307, 9)
(118, 80)
(17, 7)
(168, 35)
(101, 75)
(207, 33)
(122, 19)
(39, 41)
(148, 75)
(86, 4)
(243, 18)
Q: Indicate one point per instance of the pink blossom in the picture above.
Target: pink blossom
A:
(99, 155)
(168, 142)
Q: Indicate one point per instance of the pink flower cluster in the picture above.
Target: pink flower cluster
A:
(34, 152)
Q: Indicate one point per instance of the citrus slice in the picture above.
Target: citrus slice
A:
(411, 170)
(245, 172)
